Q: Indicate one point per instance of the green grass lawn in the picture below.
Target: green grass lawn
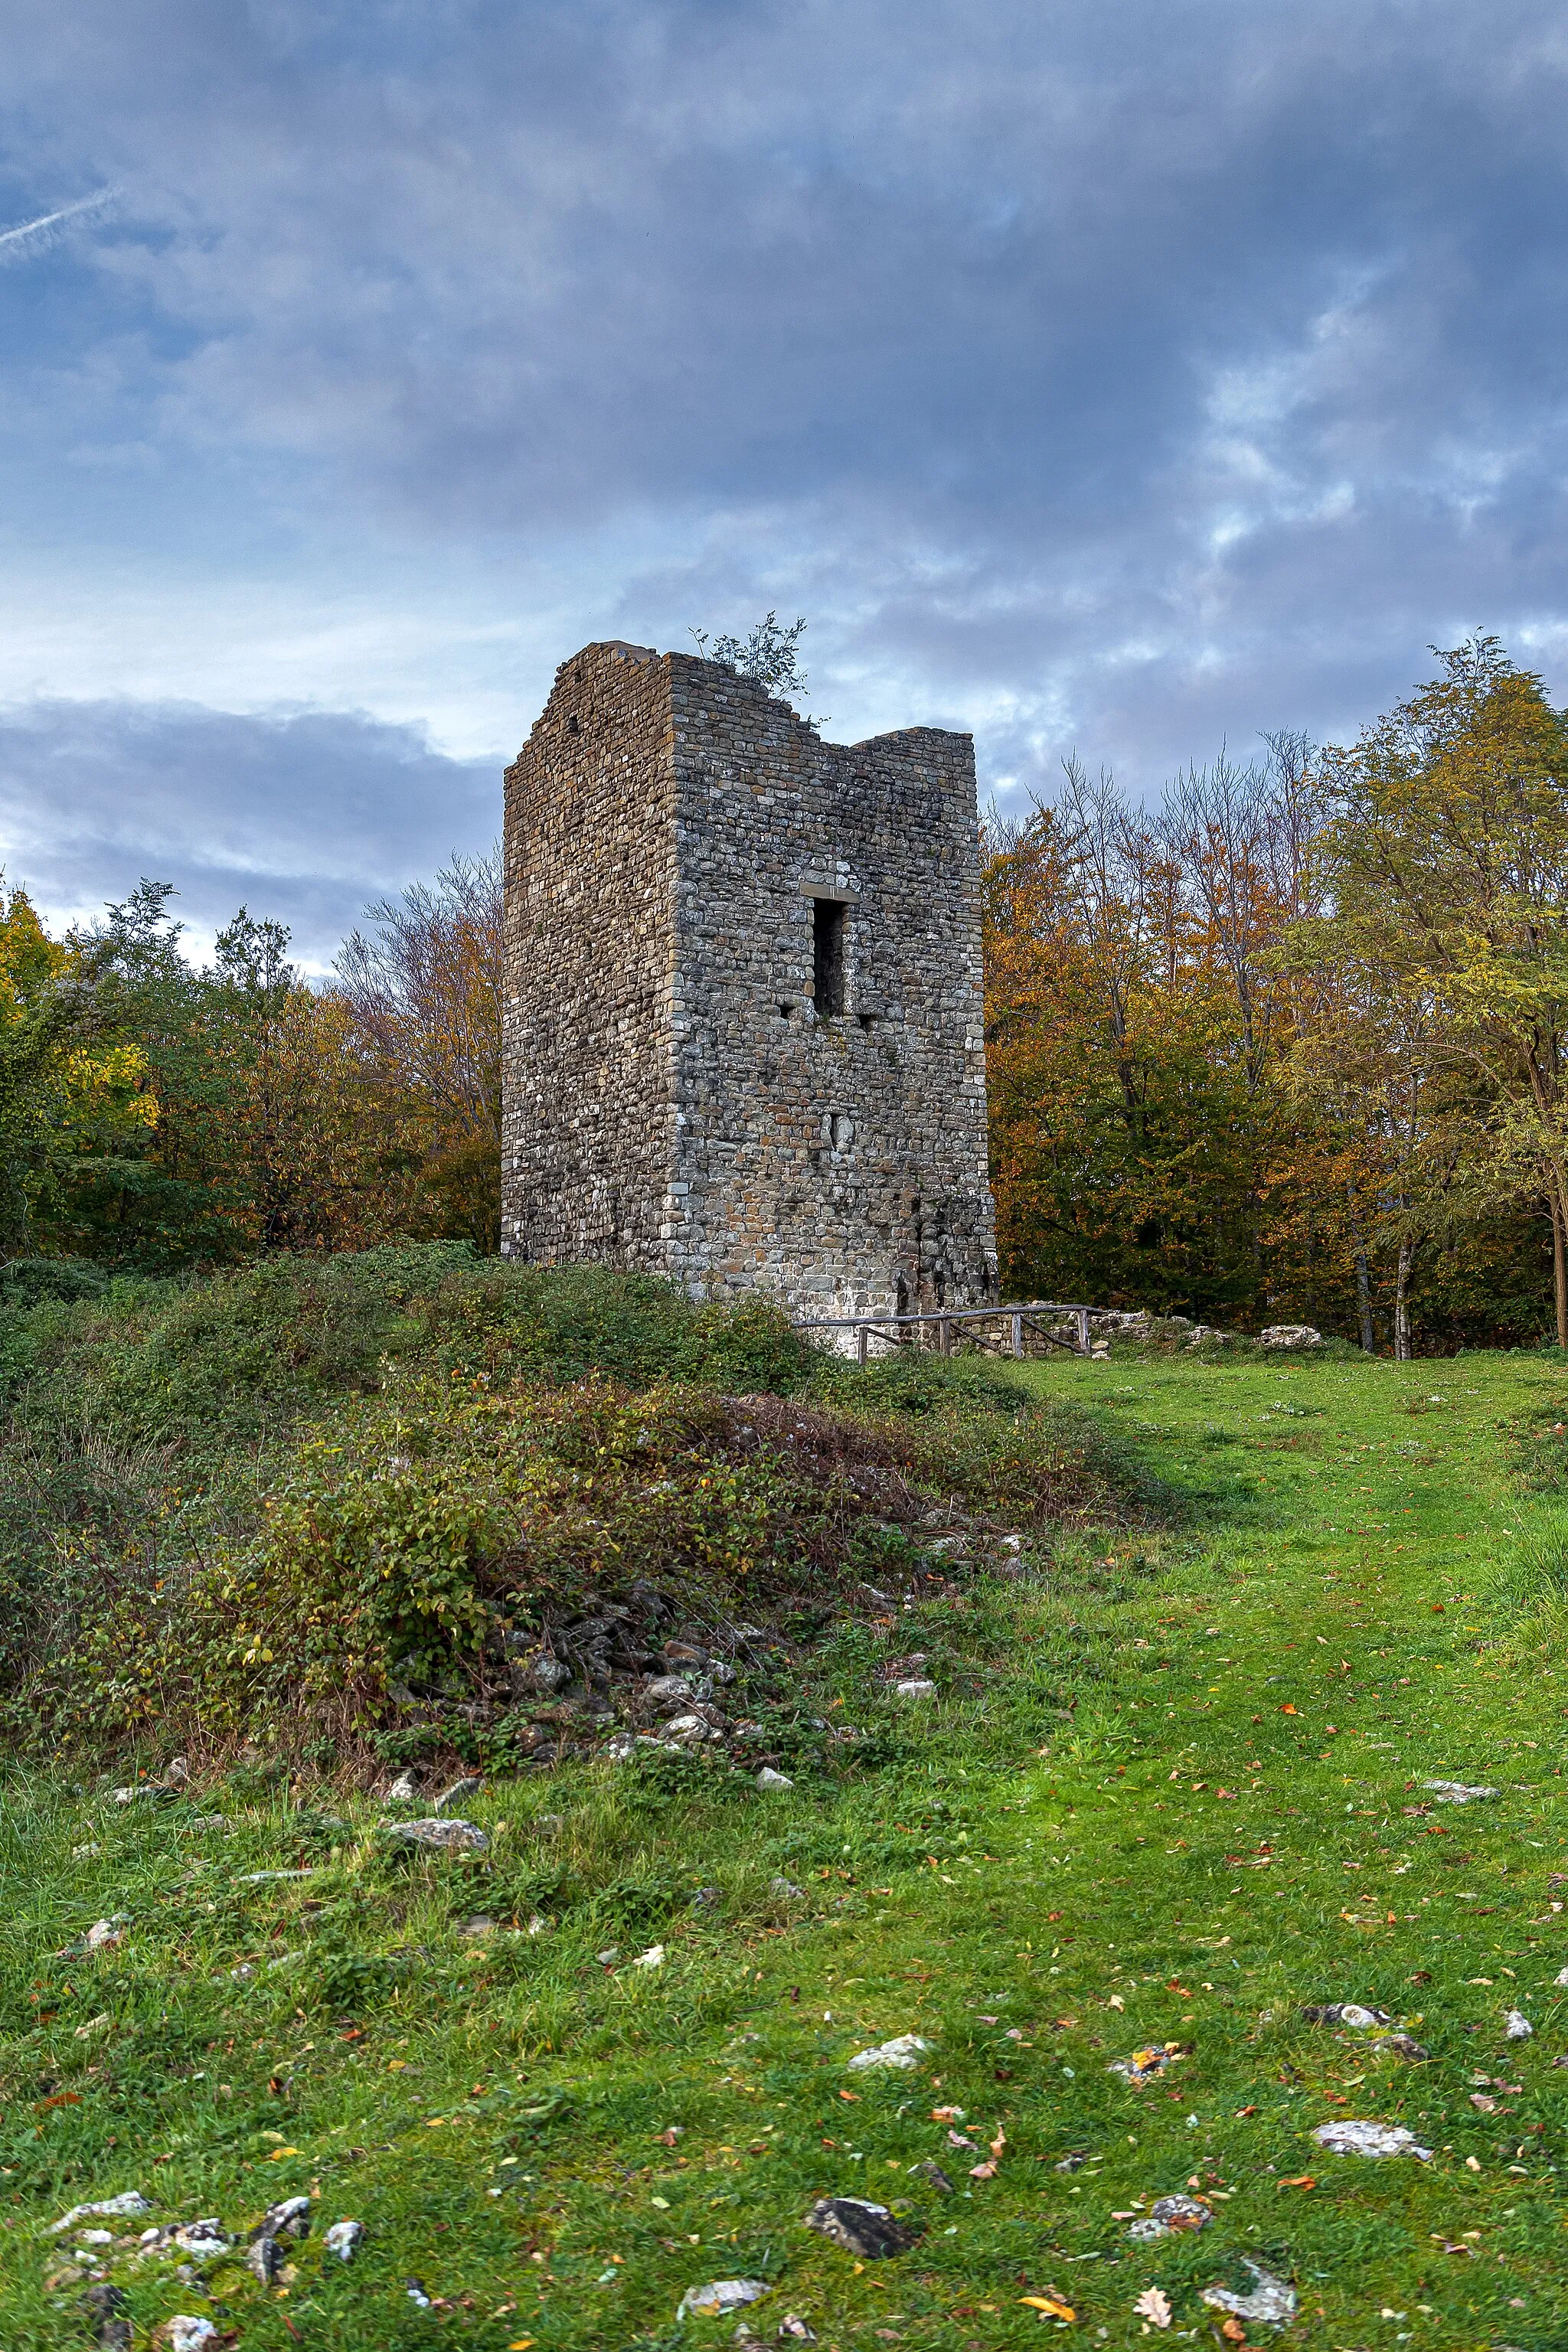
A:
(1170, 1792)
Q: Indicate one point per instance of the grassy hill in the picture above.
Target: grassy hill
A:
(1168, 1795)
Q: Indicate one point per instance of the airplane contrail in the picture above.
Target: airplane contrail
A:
(47, 221)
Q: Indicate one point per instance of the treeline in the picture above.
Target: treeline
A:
(1289, 1046)
(159, 1117)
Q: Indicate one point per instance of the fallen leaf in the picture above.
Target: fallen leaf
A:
(1301, 2180)
(1232, 2331)
(1154, 2305)
(1050, 2305)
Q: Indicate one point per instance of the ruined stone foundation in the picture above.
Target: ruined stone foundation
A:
(743, 1043)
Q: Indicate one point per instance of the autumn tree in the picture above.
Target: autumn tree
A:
(423, 985)
(1445, 871)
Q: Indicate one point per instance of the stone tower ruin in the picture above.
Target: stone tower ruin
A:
(743, 1041)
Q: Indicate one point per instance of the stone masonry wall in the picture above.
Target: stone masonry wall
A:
(746, 1142)
(588, 1121)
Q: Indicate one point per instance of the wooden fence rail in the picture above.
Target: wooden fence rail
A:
(892, 1328)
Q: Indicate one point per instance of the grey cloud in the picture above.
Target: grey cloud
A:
(301, 816)
(1129, 377)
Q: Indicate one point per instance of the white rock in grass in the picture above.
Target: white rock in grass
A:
(183, 2334)
(106, 1932)
(785, 1890)
(344, 2239)
(445, 1835)
(202, 2241)
(712, 2302)
(1456, 1792)
(403, 1791)
(1272, 2301)
(1562, 1977)
(1516, 2026)
(130, 2201)
(768, 1778)
(915, 1687)
(905, 2050)
(1350, 2138)
(290, 2219)
(652, 1959)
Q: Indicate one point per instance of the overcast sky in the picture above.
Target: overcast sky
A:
(1124, 377)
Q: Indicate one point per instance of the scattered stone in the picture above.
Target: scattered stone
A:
(106, 1932)
(860, 2227)
(1167, 2215)
(403, 1791)
(652, 1959)
(905, 2050)
(1290, 1335)
(1516, 2026)
(915, 1687)
(415, 2289)
(291, 2219)
(1562, 1977)
(768, 1778)
(721, 2295)
(466, 1788)
(1272, 2301)
(668, 1693)
(271, 1877)
(1144, 2064)
(138, 1793)
(1074, 2160)
(1400, 2045)
(785, 1890)
(85, 1853)
(691, 1731)
(204, 1823)
(1346, 2012)
(707, 1898)
(101, 2304)
(623, 1746)
(264, 2260)
(176, 1772)
(793, 2329)
(130, 2200)
(203, 2241)
(1456, 1792)
(1349, 2138)
(447, 1835)
(938, 2177)
(608, 1956)
(183, 2334)
(684, 1653)
(344, 2239)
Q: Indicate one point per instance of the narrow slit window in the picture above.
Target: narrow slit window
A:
(828, 943)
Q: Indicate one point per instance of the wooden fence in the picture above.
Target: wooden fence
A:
(896, 1329)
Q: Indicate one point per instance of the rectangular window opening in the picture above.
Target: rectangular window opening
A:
(828, 920)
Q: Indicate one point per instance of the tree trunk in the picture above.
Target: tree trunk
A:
(1363, 1283)
(1401, 1348)
(1559, 1264)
